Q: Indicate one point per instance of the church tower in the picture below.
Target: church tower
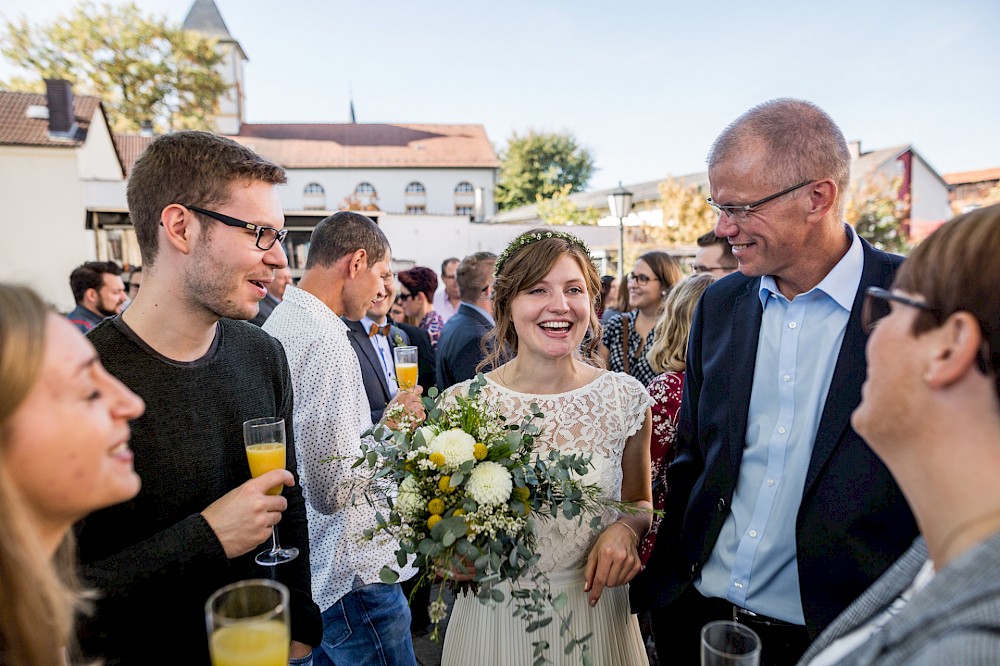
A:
(205, 18)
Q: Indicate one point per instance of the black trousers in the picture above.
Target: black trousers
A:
(677, 632)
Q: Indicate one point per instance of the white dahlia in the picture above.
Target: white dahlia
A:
(489, 484)
(457, 446)
(408, 500)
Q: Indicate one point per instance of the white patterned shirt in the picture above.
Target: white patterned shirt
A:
(330, 413)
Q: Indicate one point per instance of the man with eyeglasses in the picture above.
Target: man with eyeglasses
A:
(209, 224)
(714, 256)
(777, 514)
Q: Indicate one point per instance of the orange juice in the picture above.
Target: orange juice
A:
(265, 457)
(406, 375)
(253, 644)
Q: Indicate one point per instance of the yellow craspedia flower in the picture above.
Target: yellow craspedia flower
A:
(480, 451)
(458, 512)
(435, 506)
(436, 458)
(444, 484)
(521, 493)
(527, 508)
(432, 521)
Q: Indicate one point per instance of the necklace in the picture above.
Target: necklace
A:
(948, 541)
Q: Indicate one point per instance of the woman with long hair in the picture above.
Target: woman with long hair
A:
(544, 295)
(930, 409)
(629, 336)
(63, 453)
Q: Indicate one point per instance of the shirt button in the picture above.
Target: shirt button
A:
(753, 534)
(781, 429)
(770, 482)
(792, 324)
(738, 585)
(787, 378)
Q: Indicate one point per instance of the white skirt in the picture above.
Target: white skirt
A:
(483, 635)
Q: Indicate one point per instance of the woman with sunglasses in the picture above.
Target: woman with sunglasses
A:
(63, 453)
(930, 409)
(628, 337)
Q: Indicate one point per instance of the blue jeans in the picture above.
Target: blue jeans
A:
(368, 625)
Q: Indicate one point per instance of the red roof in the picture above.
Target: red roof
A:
(299, 146)
(129, 147)
(980, 176)
(17, 129)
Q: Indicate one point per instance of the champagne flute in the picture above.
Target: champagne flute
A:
(406, 366)
(265, 444)
(248, 624)
(727, 643)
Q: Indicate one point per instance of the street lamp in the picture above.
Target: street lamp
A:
(620, 203)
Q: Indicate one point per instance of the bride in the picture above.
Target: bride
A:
(544, 306)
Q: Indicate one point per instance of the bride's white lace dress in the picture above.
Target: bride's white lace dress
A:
(597, 418)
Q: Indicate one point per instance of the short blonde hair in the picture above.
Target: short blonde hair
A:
(670, 336)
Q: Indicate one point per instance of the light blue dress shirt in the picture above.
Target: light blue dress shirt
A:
(384, 352)
(754, 563)
(483, 312)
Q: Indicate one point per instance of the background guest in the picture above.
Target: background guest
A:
(447, 300)
(930, 409)
(134, 282)
(609, 291)
(714, 256)
(461, 348)
(275, 292)
(99, 292)
(617, 303)
(416, 294)
(628, 337)
(63, 453)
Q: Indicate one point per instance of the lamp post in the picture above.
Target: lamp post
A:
(620, 204)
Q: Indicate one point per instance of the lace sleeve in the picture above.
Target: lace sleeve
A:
(632, 403)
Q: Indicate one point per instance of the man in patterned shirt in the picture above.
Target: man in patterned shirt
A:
(347, 270)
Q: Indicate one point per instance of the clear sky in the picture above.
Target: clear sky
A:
(646, 86)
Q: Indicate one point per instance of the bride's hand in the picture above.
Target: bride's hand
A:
(613, 561)
(459, 570)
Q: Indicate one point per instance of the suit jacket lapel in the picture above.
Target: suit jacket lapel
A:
(747, 313)
(361, 336)
(845, 386)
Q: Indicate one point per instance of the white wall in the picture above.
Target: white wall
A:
(42, 220)
(230, 105)
(390, 185)
(97, 158)
(929, 201)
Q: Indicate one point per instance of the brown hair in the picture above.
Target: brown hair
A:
(666, 269)
(345, 233)
(800, 140)
(190, 168)
(524, 269)
(956, 269)
(419, 280)
(473, 274)
(39, 594)
(670, 336)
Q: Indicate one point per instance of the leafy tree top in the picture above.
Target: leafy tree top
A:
(541, 164)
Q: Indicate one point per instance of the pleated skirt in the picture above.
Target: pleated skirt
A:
(480, 635)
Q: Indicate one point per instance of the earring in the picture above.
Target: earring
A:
(663, 293)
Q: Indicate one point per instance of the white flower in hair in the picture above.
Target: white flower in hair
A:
(489, 484)
(457, 446)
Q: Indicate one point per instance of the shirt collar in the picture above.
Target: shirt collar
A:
(367, 322)
(313, 306)
(840, 284)
(481, 311)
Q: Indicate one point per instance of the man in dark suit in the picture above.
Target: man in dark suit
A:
(426, 356)
(777, 515)
(459, 348)
(275, 292)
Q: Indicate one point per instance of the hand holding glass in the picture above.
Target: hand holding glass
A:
(727, 643)
(248, 624)
(406, 366)
(265, 445)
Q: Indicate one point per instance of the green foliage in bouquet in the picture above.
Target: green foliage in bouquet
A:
(470, 490)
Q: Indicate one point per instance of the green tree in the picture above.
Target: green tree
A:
(875, 209)
(540, 164)
(141, 67)
(558, 209)
(686, 214)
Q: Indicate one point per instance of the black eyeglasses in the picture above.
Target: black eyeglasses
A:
(266, 236)
(701, 268)
(876, 306)
(739, 213)
(403, 297)
(641, 280)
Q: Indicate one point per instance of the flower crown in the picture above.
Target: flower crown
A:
(530, 237)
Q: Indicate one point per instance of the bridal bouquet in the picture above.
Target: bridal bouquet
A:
(470, 490)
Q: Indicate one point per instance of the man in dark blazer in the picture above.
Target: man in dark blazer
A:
(459, 349)
(777, 515)
(374, 350)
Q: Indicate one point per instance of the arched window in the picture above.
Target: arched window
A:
(415, 188)
(416, 199)
(314, 197)
(465, 199)
(364, 188)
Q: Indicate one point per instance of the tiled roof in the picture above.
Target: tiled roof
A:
(129, 147)
(204, 17)
(17, 129)
(869, 162)
(299, 146)
(980, 176)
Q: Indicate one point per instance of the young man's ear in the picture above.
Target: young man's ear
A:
(176, 222)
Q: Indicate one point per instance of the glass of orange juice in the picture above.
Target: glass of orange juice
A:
(265, 445)
(405, 357)
(248, 624)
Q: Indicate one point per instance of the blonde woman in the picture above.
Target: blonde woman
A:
(63, 453)
(668, 357)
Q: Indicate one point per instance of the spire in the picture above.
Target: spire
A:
(353, 119)
(204, 17)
